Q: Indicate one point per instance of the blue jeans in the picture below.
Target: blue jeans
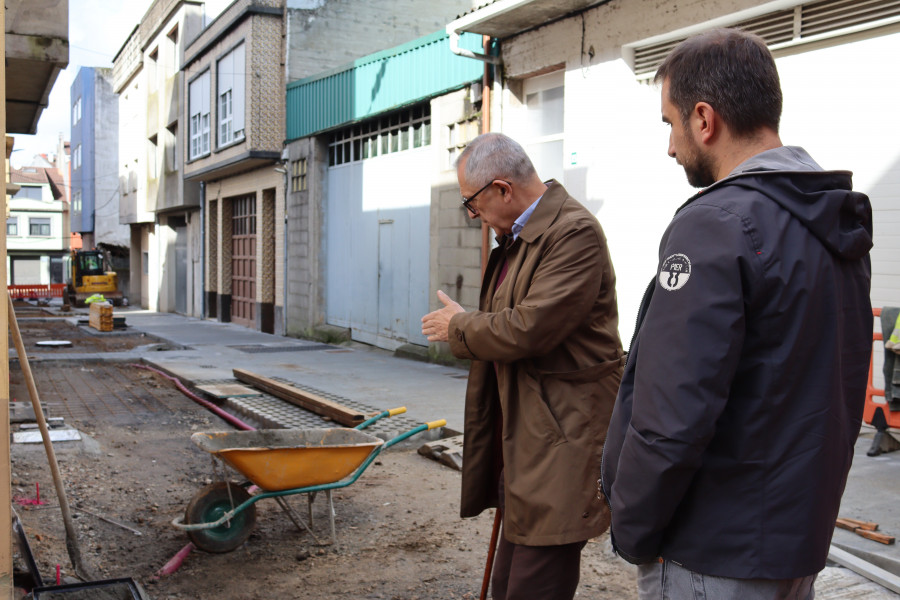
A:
(670, 581)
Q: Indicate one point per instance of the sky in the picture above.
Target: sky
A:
(97, 30)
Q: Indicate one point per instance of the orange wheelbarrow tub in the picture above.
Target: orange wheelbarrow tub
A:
(280, 462)
(284, 459)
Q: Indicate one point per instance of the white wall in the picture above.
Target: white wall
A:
(843, 105)
(840, 104)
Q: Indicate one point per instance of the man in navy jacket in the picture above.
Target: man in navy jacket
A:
(742, 397)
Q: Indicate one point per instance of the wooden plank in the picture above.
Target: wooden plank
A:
(867, 525)
(312, 402)
(228, 390)
(881, 538)
(864, 568)
(845, 524)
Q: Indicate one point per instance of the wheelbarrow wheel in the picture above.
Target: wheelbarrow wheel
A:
(208, 506)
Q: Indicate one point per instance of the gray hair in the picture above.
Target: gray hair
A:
(495, 156)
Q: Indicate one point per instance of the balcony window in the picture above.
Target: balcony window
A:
(230, 82)
(199, 116)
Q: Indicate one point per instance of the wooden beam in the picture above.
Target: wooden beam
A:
(315, 403)
(6, 554)
(865, 568)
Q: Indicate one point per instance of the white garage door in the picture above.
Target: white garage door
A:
(377, 247)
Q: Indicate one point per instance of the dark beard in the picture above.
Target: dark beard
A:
(700, 174)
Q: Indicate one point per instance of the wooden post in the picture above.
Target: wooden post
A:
(6, 554)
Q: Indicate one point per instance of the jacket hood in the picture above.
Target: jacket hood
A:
(824, 201)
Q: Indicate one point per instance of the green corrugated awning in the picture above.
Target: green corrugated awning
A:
(377, 83)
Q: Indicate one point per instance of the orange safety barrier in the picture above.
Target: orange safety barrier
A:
(878, 414)
(54, 290)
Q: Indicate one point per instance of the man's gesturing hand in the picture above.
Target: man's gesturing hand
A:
(435, 324)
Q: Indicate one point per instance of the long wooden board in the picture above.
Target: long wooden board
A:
(315, 403)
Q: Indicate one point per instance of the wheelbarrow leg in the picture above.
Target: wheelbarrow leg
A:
(296, 519)
(331, 515)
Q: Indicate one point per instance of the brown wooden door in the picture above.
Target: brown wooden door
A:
(243, 261)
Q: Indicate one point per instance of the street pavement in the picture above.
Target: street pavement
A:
(199, 352)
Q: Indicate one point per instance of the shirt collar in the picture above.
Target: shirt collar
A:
(519, 223)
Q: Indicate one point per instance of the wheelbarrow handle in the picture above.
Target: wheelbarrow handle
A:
(388, 413)
(436, 424)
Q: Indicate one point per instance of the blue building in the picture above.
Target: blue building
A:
(94, 160)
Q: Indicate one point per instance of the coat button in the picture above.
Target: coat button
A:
(584, 515)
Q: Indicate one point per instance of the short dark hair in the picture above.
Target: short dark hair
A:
(733, 71)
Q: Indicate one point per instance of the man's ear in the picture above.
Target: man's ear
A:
(705, 122)
(505, 189)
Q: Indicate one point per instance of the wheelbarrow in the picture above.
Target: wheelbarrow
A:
(280, 462)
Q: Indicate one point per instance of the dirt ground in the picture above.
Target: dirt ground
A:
(38, 326)
(399, 536)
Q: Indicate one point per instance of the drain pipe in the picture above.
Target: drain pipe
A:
(203, 252)
(455, 49)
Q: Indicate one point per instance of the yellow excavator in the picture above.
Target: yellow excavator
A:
(87, 272)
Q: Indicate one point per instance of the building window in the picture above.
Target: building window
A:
(230, 76)
(30, 192)
(199, 113)
(76, 201)
(298, 175)
(544, 119)
(12, 226)
(388, 134)
(76, 157)
(76, 112)
(39, 227)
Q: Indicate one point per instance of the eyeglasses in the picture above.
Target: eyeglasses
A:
(467, 202)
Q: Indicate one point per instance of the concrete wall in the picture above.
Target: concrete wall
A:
(162, 53)
(306, 260)
(455, 239)
(314, 26)
(132, 151)
(105, 157)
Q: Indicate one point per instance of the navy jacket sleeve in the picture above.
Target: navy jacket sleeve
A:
(689, 348)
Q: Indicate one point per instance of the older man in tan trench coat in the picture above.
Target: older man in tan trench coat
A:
(546, 364)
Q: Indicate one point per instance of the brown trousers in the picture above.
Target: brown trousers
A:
(535, 572)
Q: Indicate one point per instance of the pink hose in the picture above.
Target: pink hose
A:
(212, 407)
(176, 561)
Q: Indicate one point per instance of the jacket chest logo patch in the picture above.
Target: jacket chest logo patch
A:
(675, 272)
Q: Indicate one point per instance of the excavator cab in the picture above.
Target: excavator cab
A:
(88, 262)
